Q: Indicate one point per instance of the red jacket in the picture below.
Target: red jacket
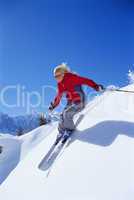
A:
(67, 86)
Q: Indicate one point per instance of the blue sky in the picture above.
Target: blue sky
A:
(95, 37)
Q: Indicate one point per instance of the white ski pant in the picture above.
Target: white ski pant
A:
(66, 119)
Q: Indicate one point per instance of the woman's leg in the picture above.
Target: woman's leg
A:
(67, 122)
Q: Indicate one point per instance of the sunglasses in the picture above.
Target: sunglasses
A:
(58, 75)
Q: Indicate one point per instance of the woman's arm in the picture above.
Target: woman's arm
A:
(78, 80)
(58, 97)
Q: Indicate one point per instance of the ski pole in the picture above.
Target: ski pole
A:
(119, 90)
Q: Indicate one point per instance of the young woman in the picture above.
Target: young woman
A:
(70, 84)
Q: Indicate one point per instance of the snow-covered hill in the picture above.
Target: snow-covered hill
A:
(97, 165)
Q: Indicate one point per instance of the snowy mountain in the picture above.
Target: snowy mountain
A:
(13, 125)
(97, 165)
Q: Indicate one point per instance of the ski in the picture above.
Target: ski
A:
(49, 159)
(47, 156)
(55, 150)
(58, 155)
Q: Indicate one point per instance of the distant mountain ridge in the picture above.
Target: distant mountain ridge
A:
(14, 125)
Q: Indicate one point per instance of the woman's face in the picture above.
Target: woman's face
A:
(59, 76)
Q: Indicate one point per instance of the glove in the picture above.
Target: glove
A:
(51, 107)
(99, 88)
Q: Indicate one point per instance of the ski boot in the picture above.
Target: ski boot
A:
(1, 148)
(59, 136)
(66, 135)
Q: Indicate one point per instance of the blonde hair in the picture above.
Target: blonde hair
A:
(63, 68)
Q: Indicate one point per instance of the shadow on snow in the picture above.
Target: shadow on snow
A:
(105, 133)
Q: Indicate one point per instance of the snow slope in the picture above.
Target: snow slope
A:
(97, 165)
(15, 148)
